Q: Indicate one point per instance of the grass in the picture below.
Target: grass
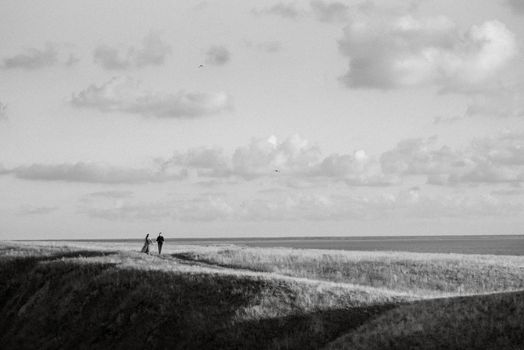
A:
(429, 274)
(492, 321)
(228, 297)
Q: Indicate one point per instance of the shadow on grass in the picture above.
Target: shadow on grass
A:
(67, 304)
(311, 330)
(70, 304)
(493, 321)
(190, 259)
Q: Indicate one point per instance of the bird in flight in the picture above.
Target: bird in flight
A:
(201, 66)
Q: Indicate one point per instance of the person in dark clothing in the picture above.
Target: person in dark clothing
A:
(160, 241)
(147, 243)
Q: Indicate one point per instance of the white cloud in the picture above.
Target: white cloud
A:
(285, 10)
(92, 173)
(153, 52)
(356, 169)
(263, 157)
(33, 59)
(292, 162)
(390, 51)
(498, 159)
(123, 94)
(207, 161)
(295, 163)
(504, 149)
(297, 159)
(419, 156)
(330, 11)
(217, 55)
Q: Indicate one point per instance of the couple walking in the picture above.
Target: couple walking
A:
(149, 241)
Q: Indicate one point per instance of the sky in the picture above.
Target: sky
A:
(261, 118)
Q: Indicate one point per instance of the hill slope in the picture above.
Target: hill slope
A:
(211, 298)
(87, 299)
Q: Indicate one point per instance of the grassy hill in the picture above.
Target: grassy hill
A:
(428, 274)
(494, 321)
(249, 298)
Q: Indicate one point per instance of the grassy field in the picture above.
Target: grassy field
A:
(431, 274)
(86, 295)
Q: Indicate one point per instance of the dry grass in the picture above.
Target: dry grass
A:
(493, 321)
(109, 296)
(60, 297)
(429, 274)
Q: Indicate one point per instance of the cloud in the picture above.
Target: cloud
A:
(207, 161)
(356, 169)
(390, 51)
(263, 156)
(153, 52)
(498, 159)
(92, 173)
(217, 55)
(295, 163)
(330, 11)
(297, 159)
(123, 94)
(291, 161)
(285, 10)
(504, 149)
(516, 5)
(33, 59)
(36, 210)
(419, 156)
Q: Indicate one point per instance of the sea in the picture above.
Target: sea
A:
(494, 244)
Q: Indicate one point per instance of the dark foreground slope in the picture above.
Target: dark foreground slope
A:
(66, 298)
(493, 321)
(75, 300)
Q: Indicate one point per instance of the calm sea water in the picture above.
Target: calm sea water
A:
(499, 245)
